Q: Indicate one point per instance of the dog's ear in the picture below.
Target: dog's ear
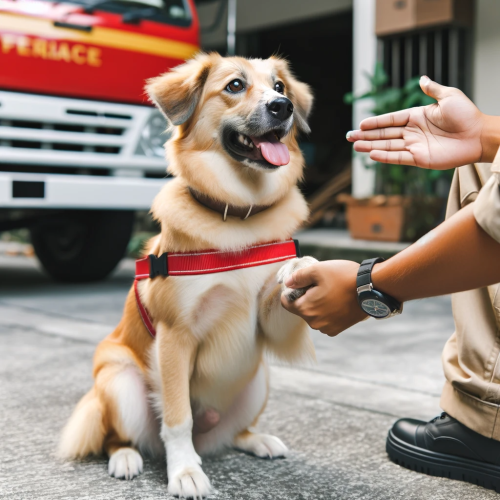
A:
(298, 92)
(177, 92)
(302, 97)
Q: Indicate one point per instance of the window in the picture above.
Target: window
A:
(175, 12)
(443, 54)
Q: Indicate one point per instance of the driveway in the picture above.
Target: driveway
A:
(334, 416)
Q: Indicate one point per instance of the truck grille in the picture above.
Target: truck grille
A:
(62, 132)
(62, 127)
(66, 144)
(113, 150)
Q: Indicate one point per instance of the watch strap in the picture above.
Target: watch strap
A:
(364, 276)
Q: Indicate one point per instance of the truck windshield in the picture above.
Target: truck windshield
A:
(163, 11)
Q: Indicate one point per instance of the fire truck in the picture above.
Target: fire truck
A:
(81, 148)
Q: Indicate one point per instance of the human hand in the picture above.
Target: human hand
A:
(331, 304)
(447, 134)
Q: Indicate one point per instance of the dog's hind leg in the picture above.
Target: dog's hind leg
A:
(131, 423)
(260, 445)
(249, 441)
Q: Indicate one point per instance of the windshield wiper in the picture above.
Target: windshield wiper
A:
(134, 15)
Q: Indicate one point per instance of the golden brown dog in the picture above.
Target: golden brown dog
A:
(234, 145)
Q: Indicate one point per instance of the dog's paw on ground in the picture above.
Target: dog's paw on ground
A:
(126, 463)
(287, 270)
(190, 483)
(262, 445)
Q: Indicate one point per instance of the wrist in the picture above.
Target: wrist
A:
(371, 298)
(385, 279)
(490, 137)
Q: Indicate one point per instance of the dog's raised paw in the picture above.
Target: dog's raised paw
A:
(126, 463)
(262, 445)
(287, 270)
(190, 483)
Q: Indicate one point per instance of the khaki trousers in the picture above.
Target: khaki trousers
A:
(471, 357)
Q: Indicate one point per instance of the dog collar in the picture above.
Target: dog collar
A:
(226, 209)
(208, 262)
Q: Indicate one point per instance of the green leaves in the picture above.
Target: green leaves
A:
(389, 99)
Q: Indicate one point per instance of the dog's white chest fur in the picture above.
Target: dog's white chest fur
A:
(221, 311)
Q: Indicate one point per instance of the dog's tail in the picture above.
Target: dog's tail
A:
(84, 433)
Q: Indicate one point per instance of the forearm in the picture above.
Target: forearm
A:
(456, 256)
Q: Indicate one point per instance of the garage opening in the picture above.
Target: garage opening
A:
(320, 52)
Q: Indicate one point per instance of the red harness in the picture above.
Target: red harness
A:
(208, 262)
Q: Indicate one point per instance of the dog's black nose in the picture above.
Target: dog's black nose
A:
(281, 108)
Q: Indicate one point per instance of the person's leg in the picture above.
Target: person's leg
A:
(464, 443)
(470, 357)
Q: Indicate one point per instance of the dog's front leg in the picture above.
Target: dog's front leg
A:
(286, 334)
(176, 353)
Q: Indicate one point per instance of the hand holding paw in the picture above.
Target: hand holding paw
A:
(287, 271)
(322, 293)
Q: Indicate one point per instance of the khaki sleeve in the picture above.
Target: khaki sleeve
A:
(487, 204)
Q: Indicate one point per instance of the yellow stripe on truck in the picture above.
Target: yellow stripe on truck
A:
(104, 37)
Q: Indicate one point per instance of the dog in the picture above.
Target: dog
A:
(236, 162)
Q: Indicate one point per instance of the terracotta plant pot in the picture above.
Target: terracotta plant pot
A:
(391, 218)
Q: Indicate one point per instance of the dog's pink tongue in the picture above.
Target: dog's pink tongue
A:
(272, 149)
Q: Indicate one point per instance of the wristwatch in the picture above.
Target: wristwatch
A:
(377, 304)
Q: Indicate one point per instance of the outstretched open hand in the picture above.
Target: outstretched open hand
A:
(439, 136)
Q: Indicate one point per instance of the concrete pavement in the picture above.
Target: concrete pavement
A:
(334, 416)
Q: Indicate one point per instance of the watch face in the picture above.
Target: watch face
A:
(375, 308)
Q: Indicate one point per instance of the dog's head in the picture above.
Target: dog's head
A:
(245, 113)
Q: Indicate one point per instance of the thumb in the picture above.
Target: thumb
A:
(433, 89)
(302, 278)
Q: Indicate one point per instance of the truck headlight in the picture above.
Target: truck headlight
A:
(153, 136)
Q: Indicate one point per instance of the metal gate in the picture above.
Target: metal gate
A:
(443, 54)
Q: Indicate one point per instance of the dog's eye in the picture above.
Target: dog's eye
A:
(235, 86)
(279, 87)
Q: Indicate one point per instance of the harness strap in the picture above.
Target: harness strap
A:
(208, 262)
(144, 312)
(215, 261)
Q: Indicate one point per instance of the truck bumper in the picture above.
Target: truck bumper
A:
(21, 190)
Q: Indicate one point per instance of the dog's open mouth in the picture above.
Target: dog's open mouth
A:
(263, 149)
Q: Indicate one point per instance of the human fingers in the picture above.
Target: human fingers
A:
(290, 306)
(389, 145)
(396, 119)
(302, 278)
(394, 157)
(373, 135)
(330, 331)
(301, 306)
(436, 90)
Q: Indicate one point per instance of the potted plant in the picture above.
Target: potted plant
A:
(408, 201)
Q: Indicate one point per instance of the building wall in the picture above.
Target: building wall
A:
(254, 15)
(486, 77)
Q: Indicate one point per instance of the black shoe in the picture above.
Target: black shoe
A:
(446, 448)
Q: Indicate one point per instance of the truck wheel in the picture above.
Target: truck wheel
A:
(80, 246)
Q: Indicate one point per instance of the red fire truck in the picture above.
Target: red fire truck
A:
(80, 146)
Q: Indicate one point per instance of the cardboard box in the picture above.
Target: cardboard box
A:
(398, 16)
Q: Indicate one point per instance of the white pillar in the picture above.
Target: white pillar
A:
(365, 56)
(486, 73)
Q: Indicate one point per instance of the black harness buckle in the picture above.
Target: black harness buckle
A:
(158, 266)
(297, 248)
